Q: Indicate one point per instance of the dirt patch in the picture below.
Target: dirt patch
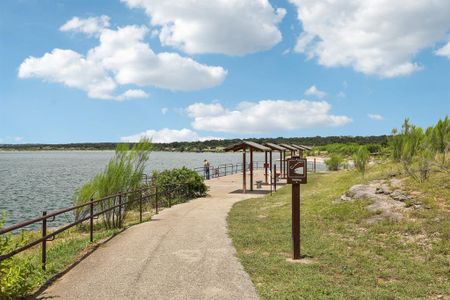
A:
(387, 200)
(302, 261)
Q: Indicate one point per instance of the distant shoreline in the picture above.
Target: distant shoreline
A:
(2, 150)
(199, 147)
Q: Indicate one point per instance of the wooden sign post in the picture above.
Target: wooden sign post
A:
(297, 174)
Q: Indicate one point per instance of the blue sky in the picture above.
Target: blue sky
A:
(174, 70)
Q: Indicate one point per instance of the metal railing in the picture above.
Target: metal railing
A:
(114, 205)
(229, 169)
(226, 169)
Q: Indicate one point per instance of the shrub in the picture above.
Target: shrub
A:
(419, 150)
(123, 173)
(334, 162)
(18, 277)
(179, 185)
(361, 158)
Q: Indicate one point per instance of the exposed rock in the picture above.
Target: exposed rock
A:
(400, 196)
(345, 198)
(379, 190)
(384, 189)
(384, 202)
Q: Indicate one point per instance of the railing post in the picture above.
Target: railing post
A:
(314, 165)
(225, 169)
(140, 206)
(120, 210)
(44, 241)
(156, 198)
(275, 177)
(91, 221)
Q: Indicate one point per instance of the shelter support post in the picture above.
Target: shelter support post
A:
(271, 171)
(244, 167)
(265, 166)
(251, 169)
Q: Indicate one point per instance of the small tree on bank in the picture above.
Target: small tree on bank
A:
(334, 162)
(418, 150)
(361, 159)
(123, 173)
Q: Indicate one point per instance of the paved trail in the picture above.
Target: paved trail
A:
(183, 253)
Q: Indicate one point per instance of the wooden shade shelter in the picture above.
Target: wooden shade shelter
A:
(282, 150)
(292, 150)
(300, 148)
(243, 146)
(306, 147)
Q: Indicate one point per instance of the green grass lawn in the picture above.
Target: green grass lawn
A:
(347, 257)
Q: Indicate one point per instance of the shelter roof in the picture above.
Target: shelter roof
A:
(275, 147)
(300, 147)
(289, 147)
(247, 144)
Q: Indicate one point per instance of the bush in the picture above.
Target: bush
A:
(334, 162)
(18, 277)
(123, 173)
(420, 150)
(179, 185)
(361, 158)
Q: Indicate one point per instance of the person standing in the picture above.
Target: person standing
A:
(206, 168)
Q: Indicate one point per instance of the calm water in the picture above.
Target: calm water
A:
(31, 182)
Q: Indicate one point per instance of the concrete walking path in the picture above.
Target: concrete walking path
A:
(183, 253)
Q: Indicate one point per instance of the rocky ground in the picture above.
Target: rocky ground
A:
(386, 197)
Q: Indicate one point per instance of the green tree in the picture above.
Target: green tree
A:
(417, 154)
(334, 162)
(361, 159)
(123, 173)
(440, 138)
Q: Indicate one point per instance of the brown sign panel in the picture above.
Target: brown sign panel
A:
(297, 170)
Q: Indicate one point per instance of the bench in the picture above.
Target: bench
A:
(259, 184)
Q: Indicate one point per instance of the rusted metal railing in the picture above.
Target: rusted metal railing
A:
(226, 169)
(88, 213)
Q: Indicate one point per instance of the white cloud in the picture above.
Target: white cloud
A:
(90, 26)
(121, 58)
(132, 94)
(164, 110)
(72, 69)
(198, 110)
(167, 135)
(18, 139)
(379, 37)
(314, 91)
(341, 94)
(375, 117)
(444, 51)
(232, 27)
(264, 116)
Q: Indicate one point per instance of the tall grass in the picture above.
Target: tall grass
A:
(334, 162)
(361, 158)
(420, 150)
(123, 173)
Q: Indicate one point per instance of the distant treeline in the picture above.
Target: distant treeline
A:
(212, 145)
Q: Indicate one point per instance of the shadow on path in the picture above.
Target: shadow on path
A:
(254, 192)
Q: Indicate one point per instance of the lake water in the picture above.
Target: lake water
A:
(31, 182)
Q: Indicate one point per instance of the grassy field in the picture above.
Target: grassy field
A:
(346, 257)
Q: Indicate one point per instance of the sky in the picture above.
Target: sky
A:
(185, 70)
